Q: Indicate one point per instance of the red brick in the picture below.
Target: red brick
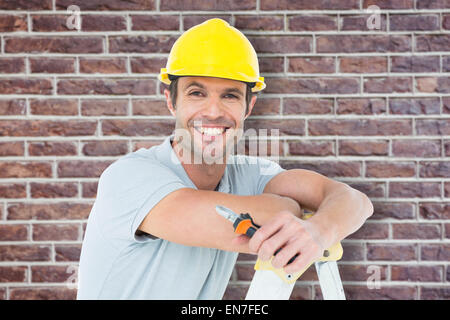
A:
(312, 85)
(433, 210)
(281, 44)
(147, 65)
(416, 148)
(446, 61)
(362, 43)
(50, 273)
(370, 189)
(107, 5)
(391, 252)
(415, 64)
(25, 86)
(415, 106)
(417, 273)
(353, 252)
(383, 293)
(327, 168)
(312, 65)
(12, 107)
(104, 107)
(361, 106)
(364, 147)
(149, 107)
(434, 293)
(235, 292)
(307, 106)
(13, 274)
(360, 272)
(359, 127)
(433, 4)
(359, 22)
(25, 169)
(97, 22)
(11, 149)
(42, 293)
(13, 232)
(48, 211)
(55, 232)
(433, 169)
(383, 169)
(26, 5)
(50, 23)
(111, 86)
(52, 65)
(285, 126)
(309, 5)
(191, 20)
(89, 189)
(388, 4)
(410, 22)
(137, 127)
(388, 85)
(155, 22)
(39, 128)
(435, 252)
(12, 190)
(266, 106)
(50, 148)
(312, 148)
(103, 65)
(215, 5)
(414, 189)
(53, 190)
(259, 22)
(433, 127)
(105, 148)
(371, 231)
(67, 252)
(416, 231)
(388, 210)
(312, 22)
(432, 42)
(433, 84)
(25, 253)
(271, 64)
(81, 168)
(446, 21)
(60, 107)
(447, 189)
(363, 64)
(12, 65)
(141, 44)
(12, 23)
(70, 44)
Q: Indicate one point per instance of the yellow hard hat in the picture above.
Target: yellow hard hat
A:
(214, 49)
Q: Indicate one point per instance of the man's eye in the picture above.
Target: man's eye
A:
(196, 93)
(230, 96)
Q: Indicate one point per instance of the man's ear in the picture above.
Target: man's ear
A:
(169, 102)
(250, 106)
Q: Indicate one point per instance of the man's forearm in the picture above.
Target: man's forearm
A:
(342, 212)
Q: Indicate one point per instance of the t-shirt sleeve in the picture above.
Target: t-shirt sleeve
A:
(267, 169)
(127, 191)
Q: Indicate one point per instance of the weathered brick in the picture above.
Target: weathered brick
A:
(12, 23)
(105, 148)
(446, 21)
(81, 168)
(50, 22)
(281, 44)
(67, 252)
(371, 231)
(13, 232)
(417, 273)
(388, 4)
(60, 107)
(285, 126)
(107, 5)
(359, 22)
(148, 107)
(266, 106)
(433, 210)
(13, 274)
(89, 189)
(327, 168)
(12, 65)
(25, 252)
(111, 86)
(312, 22)
(370, 189)
(353, 251)
(312, 148)
(42, 293)
(72, 44)
(39, 128)
(362, 43)
(52, 65)
(363, 147)
(391, 252)
(416, 231)
(383, 169)
(447, 189)
(137, 127)
(388, 292)
(361, 106)
(104, 107)
(415, 106)
(435, 252)
(415, 64)
(359, 127)
(433, 42)
(416, 148)
(312, 64)
(97, 22)
(433, 126)
(25, 169)
(446, 63)
(53, 190)
(388, 85)
(363, 64)
(141, 44)
(413, 22)
(402, 210)
(49, 273)
(155, 22)
(13, 190)
(25, 86)
(55, 232)
(26, 5)
(103, 65)
(51, 148)
(309, 5)
(360, 272)
(12, 107)
(434, 293)
(433, 4)
(48, 211)
(147, 65)
(312, 85)
(433, 84)
(215, 5)
(414, 189)
(307, 106)
(432, 169)
(259, 22)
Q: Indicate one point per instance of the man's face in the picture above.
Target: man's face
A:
(210, 114)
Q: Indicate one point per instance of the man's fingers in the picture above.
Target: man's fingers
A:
(285, 254)
(265, 232)
(268, 248)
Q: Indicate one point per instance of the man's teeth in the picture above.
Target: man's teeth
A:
(211, 131)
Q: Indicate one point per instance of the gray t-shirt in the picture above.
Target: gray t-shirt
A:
(117, 263)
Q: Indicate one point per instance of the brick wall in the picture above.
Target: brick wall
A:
(369, 107)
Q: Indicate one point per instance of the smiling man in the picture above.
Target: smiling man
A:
(153, 232)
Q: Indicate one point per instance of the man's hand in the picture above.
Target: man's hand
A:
(293, 236)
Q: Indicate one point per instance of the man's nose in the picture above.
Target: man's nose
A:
(213, 108)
